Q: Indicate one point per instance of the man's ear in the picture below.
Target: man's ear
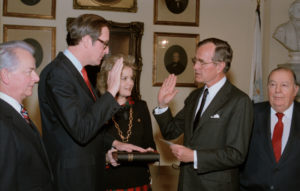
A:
(221, 66)
(86, 41)
(296, 90)
(4, 76)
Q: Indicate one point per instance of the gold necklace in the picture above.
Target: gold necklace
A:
(125, 139)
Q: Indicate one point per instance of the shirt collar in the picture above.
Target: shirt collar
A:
(287, 113)
(11, 101)
(213, 90)
(74, 60)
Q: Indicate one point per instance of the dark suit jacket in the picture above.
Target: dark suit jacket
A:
(260, 171)
(24, 165)
(221, 138)
(72, 124)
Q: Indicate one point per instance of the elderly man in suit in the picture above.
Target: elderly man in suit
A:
(273, 159)
(216, 121)
(24, 162)
(72, 112)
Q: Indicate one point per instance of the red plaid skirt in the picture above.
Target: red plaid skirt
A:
(146, 187)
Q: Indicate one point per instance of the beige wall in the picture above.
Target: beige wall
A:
(276, 13)
(231, 20)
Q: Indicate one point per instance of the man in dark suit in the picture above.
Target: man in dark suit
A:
(273, 159)
(217, 131)
(24, 163)
(71, 111)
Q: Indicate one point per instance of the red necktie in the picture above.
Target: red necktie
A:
(277, 136)
(87, 81)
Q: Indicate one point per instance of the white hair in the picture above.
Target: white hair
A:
(8, 57)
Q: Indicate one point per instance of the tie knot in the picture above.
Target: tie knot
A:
(23, 110)
(279, 115)
(24, 113)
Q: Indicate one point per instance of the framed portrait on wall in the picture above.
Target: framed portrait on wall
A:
(173, 53)
(176, 12)
(42, 39)
(44, 9)
(110, 5)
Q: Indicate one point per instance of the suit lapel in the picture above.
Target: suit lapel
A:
(193, 110)
(71, 68)
(294, 132)
(31, 133)
(220, 99)
(264, 123)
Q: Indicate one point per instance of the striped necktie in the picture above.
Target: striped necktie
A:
(25, 115)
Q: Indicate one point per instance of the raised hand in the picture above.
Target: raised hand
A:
(167, 91)
(114, 77)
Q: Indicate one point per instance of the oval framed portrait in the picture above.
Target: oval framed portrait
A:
(30, 2)
(175, 60)
(177, 6)
(107, 2)
(38, 50)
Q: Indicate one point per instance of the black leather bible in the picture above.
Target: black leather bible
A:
(125, 157)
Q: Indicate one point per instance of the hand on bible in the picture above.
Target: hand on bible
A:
(127, 147)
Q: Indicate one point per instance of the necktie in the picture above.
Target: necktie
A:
(87, 81)
(25, 115)
(277, 136)
(198, 115)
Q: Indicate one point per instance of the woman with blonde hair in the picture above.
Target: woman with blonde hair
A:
(131, 124)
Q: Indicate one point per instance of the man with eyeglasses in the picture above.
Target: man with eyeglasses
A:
(216, 121)
(71, 111)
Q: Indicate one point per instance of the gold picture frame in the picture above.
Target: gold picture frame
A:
(42, 39)
(177, 12)
(44, 9)
(109, 5)
(173, 53)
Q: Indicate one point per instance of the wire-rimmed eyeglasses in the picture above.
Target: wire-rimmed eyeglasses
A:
(105, 44)
(200, 61)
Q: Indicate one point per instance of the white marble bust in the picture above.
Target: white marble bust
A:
(288, 34)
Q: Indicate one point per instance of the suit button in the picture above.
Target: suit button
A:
(272, 187)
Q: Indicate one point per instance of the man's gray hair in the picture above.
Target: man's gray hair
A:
(8, 57)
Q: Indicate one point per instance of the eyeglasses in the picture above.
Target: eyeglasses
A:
(202, 63)
(105, 44)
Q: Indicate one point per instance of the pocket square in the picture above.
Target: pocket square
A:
(216, 116)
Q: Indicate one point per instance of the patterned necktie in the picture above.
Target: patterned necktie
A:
(277, 136)
(198, 115)
(25, 115)
(87, 81)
